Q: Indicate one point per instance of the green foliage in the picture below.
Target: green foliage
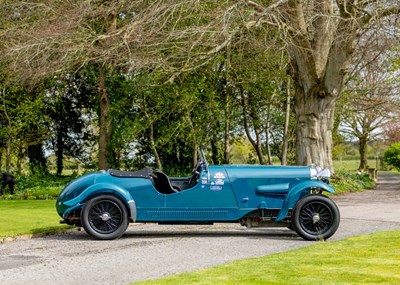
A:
(35, 193)
(199, 108)
(365, 181)
(392, 155)
(37, 187)
(344, 182)
(67, 104)
(22, 123)
(37, 159)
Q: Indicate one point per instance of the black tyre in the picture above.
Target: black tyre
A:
(105, 217)
(290, 227)
(315, 217)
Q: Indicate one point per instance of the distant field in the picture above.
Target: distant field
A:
(351, 165)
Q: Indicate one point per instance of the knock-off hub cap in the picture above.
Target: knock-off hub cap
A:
(105, 217)
(316, 218)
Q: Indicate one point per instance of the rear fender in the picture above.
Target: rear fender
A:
(299, 191)
(104, 188)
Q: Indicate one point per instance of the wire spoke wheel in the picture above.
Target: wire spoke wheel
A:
(105, 217)
(315, 217)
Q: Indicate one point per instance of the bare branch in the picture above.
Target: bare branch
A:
(381, 13)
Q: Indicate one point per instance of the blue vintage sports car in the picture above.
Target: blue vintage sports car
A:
(105, 202)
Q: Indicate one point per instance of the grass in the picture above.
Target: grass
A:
(367, 259)
(351, 165)
(20, 217)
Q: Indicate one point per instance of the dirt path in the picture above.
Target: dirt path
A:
(382, 204)
(153, 251)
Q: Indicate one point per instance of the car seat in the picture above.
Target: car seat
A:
(163, 184)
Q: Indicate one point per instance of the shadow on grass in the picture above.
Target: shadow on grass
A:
(45, 231)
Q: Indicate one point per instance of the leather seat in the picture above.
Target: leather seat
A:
(163, 184)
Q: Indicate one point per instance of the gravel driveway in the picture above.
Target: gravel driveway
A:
(153, 251)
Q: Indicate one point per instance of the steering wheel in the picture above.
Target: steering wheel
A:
(196, 172)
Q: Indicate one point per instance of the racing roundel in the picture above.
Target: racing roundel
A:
(219, 175)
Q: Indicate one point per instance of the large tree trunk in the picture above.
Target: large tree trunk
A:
(320, 52)
(104, 106)
(315, 117)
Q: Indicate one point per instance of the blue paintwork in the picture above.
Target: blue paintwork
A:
(223, 193)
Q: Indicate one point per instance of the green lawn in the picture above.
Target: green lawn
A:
(369, 259)
(351, 165)
(19, 217)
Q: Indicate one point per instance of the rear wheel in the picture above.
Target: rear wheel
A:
(105, 217)
(315, 217)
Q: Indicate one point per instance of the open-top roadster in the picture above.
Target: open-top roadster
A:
(105, 202)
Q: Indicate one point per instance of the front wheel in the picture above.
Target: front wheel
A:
(315, 217)
(105, 217)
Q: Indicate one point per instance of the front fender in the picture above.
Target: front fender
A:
(297, 192)
(103, 188)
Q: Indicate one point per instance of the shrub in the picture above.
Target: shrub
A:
(37, 187)
(351, 182)
(392, 155)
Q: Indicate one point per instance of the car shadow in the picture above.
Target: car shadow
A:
(140, 233)
(282, 234)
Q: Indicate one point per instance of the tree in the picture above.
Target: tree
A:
(22, 121)
(37, 159)
(255, 77)
(68, 105)
(392, 131)
(158, 124)
(371, 103)
(321, 38)
(60, 37)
